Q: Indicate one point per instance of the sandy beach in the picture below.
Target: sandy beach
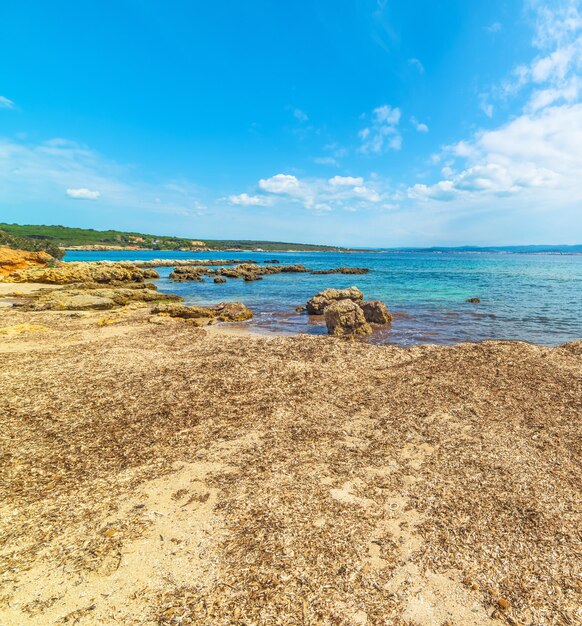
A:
(165, 474)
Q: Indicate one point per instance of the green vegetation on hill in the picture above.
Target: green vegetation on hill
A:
(34, 245)
(71, 237)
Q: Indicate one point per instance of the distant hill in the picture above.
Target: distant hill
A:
(66, 237)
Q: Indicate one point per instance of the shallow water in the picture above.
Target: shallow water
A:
(531, 297)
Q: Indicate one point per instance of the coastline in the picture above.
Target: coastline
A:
(167, 469)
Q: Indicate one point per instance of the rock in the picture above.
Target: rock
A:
(225, 312)
(183, 274)
(317, 304)
(22, 328)
(74, 302)
(220, 279)
(101, 272)
(376, 312)
(162, 319)
(13, 260)
(346, 318)
(253, 271)
(249, 278)
(299, 309)
(182, 310)
(232, 311)
(343, 270)
(100, 299)
(473, 300)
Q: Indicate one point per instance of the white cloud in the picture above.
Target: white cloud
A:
(327, 161)
(485, 105)
(383, 132)
(536, 153)
(245, 200)
(346, 180)
(494, 27)
(317, 195)
(300, 115)
(6, 103)
(554, 74)
(280, 183)
(83, 194)
(417, 64)
(43, 173)
(419, 126)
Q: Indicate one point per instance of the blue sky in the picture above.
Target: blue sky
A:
(360, 122)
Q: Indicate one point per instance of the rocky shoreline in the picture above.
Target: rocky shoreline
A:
(103, 285)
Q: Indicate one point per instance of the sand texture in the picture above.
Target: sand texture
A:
(163, 474)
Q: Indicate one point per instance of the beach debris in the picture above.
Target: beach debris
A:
(473, 300)
(376, 312)
(317, 304)
(346, 318)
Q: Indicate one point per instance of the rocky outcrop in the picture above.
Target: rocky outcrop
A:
(473, 300)
(345, 318)
(319, 302)
(17, 260)
(224, 312)
(343, 270)
(91, 299)
(201, 315)
(232, 311)
(376, 312)
(220, 280)
(101, 272)
(248, 271)
(183, 274)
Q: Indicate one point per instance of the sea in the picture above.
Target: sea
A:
(529, 297)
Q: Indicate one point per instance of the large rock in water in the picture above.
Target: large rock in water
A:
(376, 312)
(224, 312)
(323, 299)
(345, 318)
(232, 311)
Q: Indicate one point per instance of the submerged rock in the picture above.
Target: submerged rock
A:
(473, 300)
(183, 274)
(346, 318)
(317, 304)
(376, 312)
(232, 311)
(220, 279)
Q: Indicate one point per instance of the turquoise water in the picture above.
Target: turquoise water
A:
(532, 297)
